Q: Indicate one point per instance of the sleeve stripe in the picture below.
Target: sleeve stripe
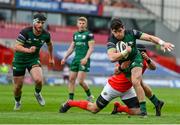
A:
(111, 44)
(91, 41)
(20, 35)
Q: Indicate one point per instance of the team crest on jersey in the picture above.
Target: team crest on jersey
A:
(83, 36)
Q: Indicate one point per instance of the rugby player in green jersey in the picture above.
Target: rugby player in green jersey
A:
(26, 56)
(83, 46)
(134, 71)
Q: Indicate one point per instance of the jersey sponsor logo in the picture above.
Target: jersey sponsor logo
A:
(36, 39)
(80, 43)
(79, 35)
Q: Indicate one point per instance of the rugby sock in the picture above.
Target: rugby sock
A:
(143, 106)
(88, 92)
(71, 96)
(17, 98)
(123, 108)
(37, 89)
(81, 104)
(154, 100)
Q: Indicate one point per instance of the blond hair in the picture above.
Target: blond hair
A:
(82, 19)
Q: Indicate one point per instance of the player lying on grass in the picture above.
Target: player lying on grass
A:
(117, 86)
(148, 92)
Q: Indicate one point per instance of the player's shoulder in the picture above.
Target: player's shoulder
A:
(132, 32)
(45, 32)
(129, 32)
(90, 34)
(27, 29)
(112, 39)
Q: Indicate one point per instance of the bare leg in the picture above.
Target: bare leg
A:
(71, 85)
(36, 73)
(136, 77)
(81, 79)
(18, 83)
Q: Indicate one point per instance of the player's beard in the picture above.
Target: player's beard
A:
(38, 30)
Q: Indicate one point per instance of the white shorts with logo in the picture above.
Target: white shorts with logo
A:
(108, 93)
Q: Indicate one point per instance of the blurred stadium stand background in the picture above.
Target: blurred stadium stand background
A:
(157, 17)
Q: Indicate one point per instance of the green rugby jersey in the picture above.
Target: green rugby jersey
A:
(27, 38)
(81, 40)
(130, 37)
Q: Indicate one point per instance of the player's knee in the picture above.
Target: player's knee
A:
(136, 81)
(38, 81)
(18, 87)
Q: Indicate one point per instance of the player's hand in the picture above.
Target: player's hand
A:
(83, 61)
(167, 46)
(32, 49)
(128, 48)
(145, 56)
(125, 64)
(63, 61)
(51, 61)
(116, 70)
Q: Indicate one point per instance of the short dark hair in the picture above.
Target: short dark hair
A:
(116, 23)
(141, 47)
(40, 17)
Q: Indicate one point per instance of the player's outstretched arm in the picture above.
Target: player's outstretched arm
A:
(68, 53)
(165, 45)
(20, 48)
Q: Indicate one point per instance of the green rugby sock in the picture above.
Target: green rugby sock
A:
(71, 96)
(37, 89)
(143, 106)
(88, 92)
(154, 100)
(17, 98)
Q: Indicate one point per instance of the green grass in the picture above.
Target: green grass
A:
(32, 113)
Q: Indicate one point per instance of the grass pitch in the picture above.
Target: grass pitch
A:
(32, 113)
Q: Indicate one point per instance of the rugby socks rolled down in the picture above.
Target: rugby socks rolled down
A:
(81, 104)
